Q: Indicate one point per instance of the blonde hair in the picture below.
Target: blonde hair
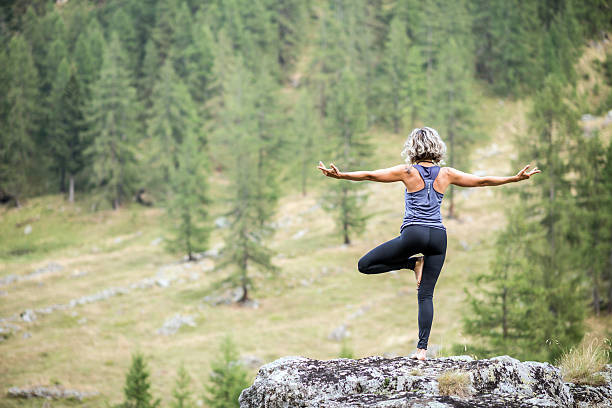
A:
(424, 144)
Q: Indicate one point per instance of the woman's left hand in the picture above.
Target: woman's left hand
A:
(333, 172)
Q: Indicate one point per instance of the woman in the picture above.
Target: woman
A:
(422, 230)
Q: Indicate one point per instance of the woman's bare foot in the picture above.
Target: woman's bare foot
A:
(419, 355)
(418, 270)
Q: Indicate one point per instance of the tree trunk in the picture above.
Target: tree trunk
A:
(71, 189)
(595, 291)
(505, 313)
(304, 179)
(610, 284)
(62, 180)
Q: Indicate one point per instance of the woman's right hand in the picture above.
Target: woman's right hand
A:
(523, 174)
(333, 172)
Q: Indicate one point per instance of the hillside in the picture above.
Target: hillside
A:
(70, 254)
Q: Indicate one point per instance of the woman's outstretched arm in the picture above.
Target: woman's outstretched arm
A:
(462, 179)
(388, 175)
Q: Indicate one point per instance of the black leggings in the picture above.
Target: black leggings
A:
(394, 255)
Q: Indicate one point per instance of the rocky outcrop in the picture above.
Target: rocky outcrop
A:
(403, 382)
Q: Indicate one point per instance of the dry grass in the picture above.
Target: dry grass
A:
(454, 382)
(581, 365)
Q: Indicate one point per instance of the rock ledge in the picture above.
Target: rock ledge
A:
(399, 382)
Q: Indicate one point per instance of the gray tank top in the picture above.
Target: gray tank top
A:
(423, 206)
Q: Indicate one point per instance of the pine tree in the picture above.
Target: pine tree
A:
(88, 54)
(137, 385)
(227, 378)
(307, 137)
(347, 126)
(200, 61)
(150, 75)
(498, 304)
(18, 136)
(546, 301)
(607, 228)
(590, 220)
(181, 393)
(70, 142)
(188, 201)
(122, 24)
(112, 123)
(182, 42)
(507, 36)
(52, 116)
(402, 82)
(268, 145)
(171, 118)
(238, 133)
(453, 114)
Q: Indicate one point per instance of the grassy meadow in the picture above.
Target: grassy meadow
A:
(89, 346)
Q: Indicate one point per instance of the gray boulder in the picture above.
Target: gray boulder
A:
(376, 381)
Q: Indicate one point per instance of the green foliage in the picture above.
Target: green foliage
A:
(20, 118)
(188, 200)
(453, 114)
(346, 351)
(182, 394)
(307, 134)
(171, 118)
(227, 378)
(346, 123)
(137, 384)
(111, 116)
(535, 307)
(402, 84)
(591, 216)
(253, 193)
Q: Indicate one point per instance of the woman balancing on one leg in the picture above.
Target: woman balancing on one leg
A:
(422, 230)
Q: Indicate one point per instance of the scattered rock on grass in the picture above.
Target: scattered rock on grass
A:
(49, 392)
(173, 324)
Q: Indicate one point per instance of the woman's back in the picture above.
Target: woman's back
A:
(422, 207)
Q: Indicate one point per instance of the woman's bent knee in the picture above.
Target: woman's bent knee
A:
(363, 266)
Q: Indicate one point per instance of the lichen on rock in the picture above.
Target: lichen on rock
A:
(375, 381)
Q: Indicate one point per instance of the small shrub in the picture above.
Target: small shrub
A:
(137, 385)
(228, 377)
(346, 351)
(581, 364)
(454, 382)
(416, 371)
(182, 392)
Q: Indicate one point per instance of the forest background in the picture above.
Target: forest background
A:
(158, 169)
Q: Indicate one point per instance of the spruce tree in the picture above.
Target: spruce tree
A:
(53, 139)
(150, 75)
(18, 136)
(307, 137)
(182, 395)
(137, 385)
(589, 216)
(497, 304)
(171, 118)
(227, 378)
(70, 142)
(402, 80)
(607, 228)
(347, 126)
(547, 303)
(111, 118)
(238, 134)
(188, 200)
(199, 63)
(453, 114)
(507, 36)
